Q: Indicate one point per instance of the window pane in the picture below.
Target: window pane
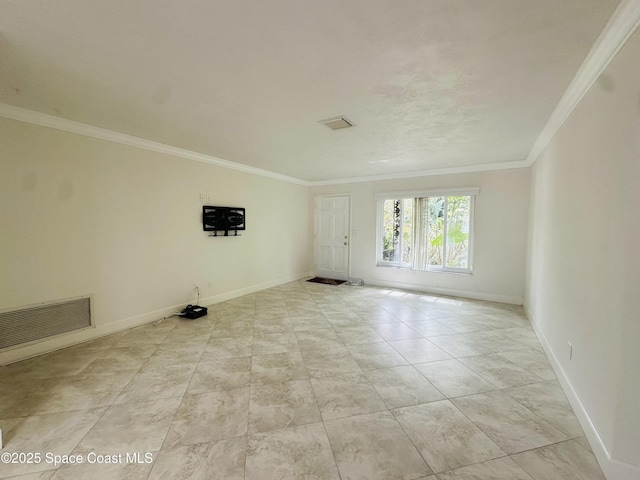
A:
(407, 230)
(435, 230)
(458, 209)
(391, 231)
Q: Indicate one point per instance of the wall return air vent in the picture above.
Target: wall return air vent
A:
(37, 322)
(337, 123)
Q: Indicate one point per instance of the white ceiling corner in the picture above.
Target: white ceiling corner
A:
(624, 21)
(435, 87)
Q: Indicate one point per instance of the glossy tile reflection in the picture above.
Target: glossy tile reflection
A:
(304, 381)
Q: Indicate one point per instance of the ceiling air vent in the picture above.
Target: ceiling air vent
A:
(336, 123)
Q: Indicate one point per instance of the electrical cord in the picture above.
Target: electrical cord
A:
(159, 321)
(173, 314)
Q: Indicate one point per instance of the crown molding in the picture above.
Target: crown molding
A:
(50, 121)
(619, 28)
(426, 173)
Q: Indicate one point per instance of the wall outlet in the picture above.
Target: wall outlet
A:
(210, 284)
(202, 198)
(570, 351)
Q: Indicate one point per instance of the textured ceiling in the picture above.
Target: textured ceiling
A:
(430, 84)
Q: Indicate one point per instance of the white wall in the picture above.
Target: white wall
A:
(83, 216)
(583, 262)
(500, 232)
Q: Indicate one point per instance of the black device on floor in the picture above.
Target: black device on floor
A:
(193, 311)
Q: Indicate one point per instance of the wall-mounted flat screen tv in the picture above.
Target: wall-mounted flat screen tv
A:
(223, 219)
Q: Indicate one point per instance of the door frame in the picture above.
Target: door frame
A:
(316, 250)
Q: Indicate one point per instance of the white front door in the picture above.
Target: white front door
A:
(332, 237)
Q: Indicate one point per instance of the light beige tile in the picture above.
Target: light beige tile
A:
(330, 361)
(547, 400)
(21, 401)
(279, 367)
(583, 442)
(567, 461)
(348, 320)
(81, 392)
(395, 331)
(510, 425)
(121, 358)
(282, 400)
(189, 331)
(358, 335)
(453, 379)
(533, 360)
(209, 417)
(445, 437)
(381, 316)
(15, 371)
(402, 386)
(409, 314)
(376, 355)
(175, 353)
(498, 469)
(460, 345)
(46, 475)
(145, 335)
(222, 460)
(282, 405)
(235, 328)
(346, 395)
(228, 347)
(318, 339)
(108, 341)
(157, 382)
(494, 322)
(430, 328)
(9, 428)
(463, 324)
(131, 427)
(295, 452)
(499, 371)
(221, 374)
(106, 471)
(316, 321)
(419, 350)
(275, 343)
(275, 325)
(56, 433)
(68, 361)
(362, 452)
(523, 335)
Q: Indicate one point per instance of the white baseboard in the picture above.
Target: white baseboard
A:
(15, 354)
(223, 297)
(612, 468)
(490, 297)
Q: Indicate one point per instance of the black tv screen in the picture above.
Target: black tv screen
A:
(222, 219)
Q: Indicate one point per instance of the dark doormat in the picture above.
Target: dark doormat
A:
(326, 281)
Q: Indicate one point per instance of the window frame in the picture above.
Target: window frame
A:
(471, 192)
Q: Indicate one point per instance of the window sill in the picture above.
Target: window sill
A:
(403, 267)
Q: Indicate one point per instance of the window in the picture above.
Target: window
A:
(426, 231)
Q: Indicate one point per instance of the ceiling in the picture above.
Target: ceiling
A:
(430, 84)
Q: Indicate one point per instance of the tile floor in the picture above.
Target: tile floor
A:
(303, 381)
